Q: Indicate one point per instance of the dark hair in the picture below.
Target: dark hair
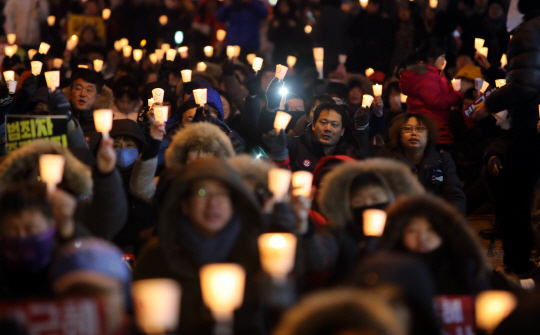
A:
(388, 88)
(24, 196)
(89, 76)
(368, 178)
(430, 51)
(185, 107)
(316, 100)
(333, 107)
(355, 83)
(394, 133)
(126, 86)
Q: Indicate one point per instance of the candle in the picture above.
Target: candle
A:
(98, 65)
(377, 90)
(53, 79)
(157, 304)
(150, 102)
(278, 182)
(171, 54)
(478, 83)
(403, 98)
(31, 53)
(106, 13)
(201, 67)
(11, 38)
(374, 222)
(478, 43)
(153, 58)
(103, 119)
(57, 63)
(538, 109)
(44, 48)
(504, 60)
(36, 67)
(291, 61)
(485, 85)
(117, 46)
(222, 287)
(369, 72)
(12, 86)
(220, 35)
(157, 94)
(231, 51)
(433, 3)
(9, 75)
(318, 54)
(124, 41)
(492, 307)
(367, 100)
(51, 170)
(208, 51)
(320, 68)
(456, 84)
(51, 20)
(483, 51)
(200, 96)
(15, 48)
(277, 252)
(186, 75)
(183, 52)
(127, 50)
(159, 54)
(82, 66)
(8, 50)
(163, 19)
(250, 58)
(342, 59)
(161, 113)
(500, 82)
(137, 54)
(237, 50)
(165, 47)
(308, 29)
(281, 71)
(301, 183)
(364, 3)
(281, 120)
(257, 63)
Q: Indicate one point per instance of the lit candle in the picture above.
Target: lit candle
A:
(282, 120)
(367, 100)
(369, 72)
(250, 58)
(9, 75)
(161, 113)
(257, 64)
(478, 43)
(231, 51)
(137, 54)
(377, 90)
(281, 71)
(433, 3)
(279, 181)
(342, 59)
(127, 50)
(201, 67)
(485, 85)
(504, 60)
(31, 53)
(200, 96)
(163, 19)
(157, 305)
(53, 79)
(51, 170)
(208, 51)
(36, 67)
(171, 54)
(183, 52)
(301, 183)
(500, 82)
(364, 3)
(57, 63)
(492, 307)
(291, 61)
(8, 50)
(150, 102)
(456, 84)
(318, 54)
(483, 51)
(82, 66)
(319, 64)
(124, 41)
(277, 252)
(220, 35)
(11, 38)
(374, 222)
(12, 86)
(103, 119)
(157, 94)
(44, 48)
(308, 29)
(237, 50)
(403, 98)
(98, 65)
(478, 83)
(117, 45)
(186, 75)
(165, 47)
(15, 48)
(51, 20)
(159, 54)
(153, 58)
(106, 13)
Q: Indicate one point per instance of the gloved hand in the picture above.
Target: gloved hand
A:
(252, 84)
(58, 103)
(273, 94)
(277, 144)
(30, 84)
(361, 118)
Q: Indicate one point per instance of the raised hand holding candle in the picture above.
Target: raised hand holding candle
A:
(11, 38)
(291, 61)
(301, 183)
(478, 43)
(200, 96)
(374, 222)
(103, 119)
(500, 82)
(157, 304)
(281, 71)
(342, 59)
(277, 253)
(44, 48)
(201, 67)
(483, 51)
(492, 307)
(282, 120)
(318, 54)
(12, 86)
(220, 35)
(106, 14)
(31, 53)
(186, 75)
(369, 72)
(456, 84)
(9, 75)
(208, 51)
(279, 181)
(57, 63)
(157, 94)
(257, 64)
(161, 113)
(98, 65)
(250, 58)
(377, 90)
(171, 54)
(51, 170)
(183, 52)
(53, 79)
(36, 67)
(367, 100)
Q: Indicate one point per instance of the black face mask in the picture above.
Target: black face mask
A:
(358, 215)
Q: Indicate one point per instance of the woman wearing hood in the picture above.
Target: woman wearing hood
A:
(206, 216)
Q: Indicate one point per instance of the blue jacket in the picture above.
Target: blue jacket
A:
(243, 21)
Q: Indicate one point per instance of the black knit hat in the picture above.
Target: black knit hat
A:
(526, 6)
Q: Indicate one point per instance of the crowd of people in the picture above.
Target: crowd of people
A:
(419, 112)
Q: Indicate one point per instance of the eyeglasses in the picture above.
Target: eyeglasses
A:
(206, 195)
(419, 129)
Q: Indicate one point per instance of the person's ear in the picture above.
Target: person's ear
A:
(342, 131)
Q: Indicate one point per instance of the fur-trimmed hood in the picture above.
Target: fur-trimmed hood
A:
(200, 135)
(255, 171)
(104, 100)
(334, 196)
(23, 164)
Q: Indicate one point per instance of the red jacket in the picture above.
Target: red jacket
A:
(428, 93)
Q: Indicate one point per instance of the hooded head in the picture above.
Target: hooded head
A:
(129, 142)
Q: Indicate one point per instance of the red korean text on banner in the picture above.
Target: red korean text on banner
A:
(456, 314)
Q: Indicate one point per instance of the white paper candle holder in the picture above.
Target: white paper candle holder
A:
(291, 61)
(186, 75)
(12, 86)
(9, 50)
(57, 63)
(277, 252)
(377, 90)
(11, 38)
(106, 14)
(302, 183)
(200, 96)
(485, 86)
(374, 222)
(208, 51)
(250, 58)
(483, 51)
(53, 79)
(171, 54)
(161, 113)
(98, 65)
(9, 75)
(126, 51)
(31, 53)
(342, 59)
(201, 66)
(165, 47)
(492, 307)
(320, 68)
(478, 43)
(183, 51)
(158, 94)
(51, 170)
(403, 98)
(504, 60)
(367, 100)
(231, 51)
(103, 119)
(478, 83)
(220, 35)
(257, 64)
(318, 54)
(279, 181)
(44, 48)
(500, 82)
(369, 72)
(51, 20)
(282, 120)
(281, 71)
(456, 84)
(36, 67)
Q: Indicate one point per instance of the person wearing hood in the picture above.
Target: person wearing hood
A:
(428, 91)
(412, 141)
(207, 215)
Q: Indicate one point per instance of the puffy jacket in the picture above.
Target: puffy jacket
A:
(243, 21)
(429, 93)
